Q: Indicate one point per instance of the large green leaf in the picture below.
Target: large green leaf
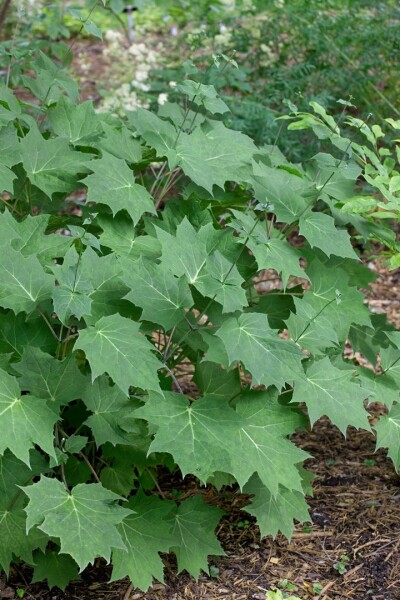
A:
(24, 283)
(14, 539)
(209, 436)
(212, 155)
(120, 143)
(114, 346)
(24, 419)
(58, 381)
(270, 359)
(84, 520)
(388, 434)
(193, 532)
(203, 95)
(113, 184)
(16, 333)
(194, 434)
(320, 232)
(71, 295)
(51, 165)
(76, 122)
(112, 412)
(57, 569)
(51, 81)
(327, 390)
(162, 296)
(277, 513)
(194, 254)
(326, 312)
(282, 191)
(145, 532)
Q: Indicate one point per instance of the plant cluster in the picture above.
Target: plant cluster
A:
(135, 341)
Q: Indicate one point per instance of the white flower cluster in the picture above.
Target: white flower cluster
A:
(121, 100)
(138, 60)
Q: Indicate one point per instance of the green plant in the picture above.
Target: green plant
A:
(113, 299)
(341, 565)
(317, 588)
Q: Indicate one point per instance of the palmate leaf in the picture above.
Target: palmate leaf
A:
(119, 235)
(114, 346)
(269, 252)
(112, 412)
(270, 359)
(84, 520)
(24, 420)
(320, 232)
(209, 436)
(193, 434)
(154, 288)
(212, 155)
(326, 312)
(193, 532)
(51, 165)
(14, 539)
(278, 513)
(203, 95)
(282, 190)
(388, 434)
(333, 392)
(120, 143)
(16, 333)
(57, 569)
(50, 81)
(24, 283)
(31, 238)
(113, 184)
(145, 532)
(77, 122)
(194, 254)
(58, 381)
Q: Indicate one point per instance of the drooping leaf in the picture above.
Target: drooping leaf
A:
(50, 164)
(120, 143)
(57, 569)
(84, 520)
(76, 122)
(154, 288)
(320, 232)
(14, 539)
(203, 95)
(71, 295)
(388, 434)
(145, 532)
(24, 419)
(192, 434)
(112, 183)
(212, 155)
(114, 346)
(193, 532)
(270, 359)
(333, 392)
(58, 381)
(24, 283)
(112, 412)
(278, 513)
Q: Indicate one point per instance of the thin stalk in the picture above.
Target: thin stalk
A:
(41, 313)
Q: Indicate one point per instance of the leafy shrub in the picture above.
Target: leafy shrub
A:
(134, 251)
